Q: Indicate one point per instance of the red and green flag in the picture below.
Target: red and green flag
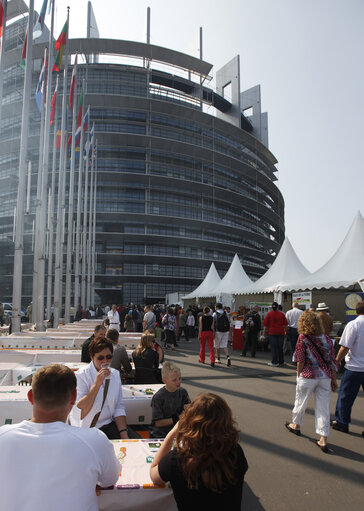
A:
(60, 45)
(24, 52)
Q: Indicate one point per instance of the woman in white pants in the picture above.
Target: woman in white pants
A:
(316, 373)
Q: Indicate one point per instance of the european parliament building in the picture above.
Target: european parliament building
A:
(184, 173)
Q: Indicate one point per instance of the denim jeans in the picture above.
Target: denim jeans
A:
(276, 347)
(349, 388)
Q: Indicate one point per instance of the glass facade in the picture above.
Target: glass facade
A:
(177, 188)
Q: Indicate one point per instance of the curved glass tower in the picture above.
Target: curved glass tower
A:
(184, 173)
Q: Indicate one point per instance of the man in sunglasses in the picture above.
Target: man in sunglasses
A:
(99, 401)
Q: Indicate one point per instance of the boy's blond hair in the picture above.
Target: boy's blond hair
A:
(169, 368)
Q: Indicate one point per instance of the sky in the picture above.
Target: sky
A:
(307, 55)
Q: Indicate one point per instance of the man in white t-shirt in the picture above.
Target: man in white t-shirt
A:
(352, 348)
(114, 318)
(47, 464)
(293, 315)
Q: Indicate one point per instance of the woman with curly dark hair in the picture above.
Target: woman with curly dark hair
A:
(316, 373)
(206, 468)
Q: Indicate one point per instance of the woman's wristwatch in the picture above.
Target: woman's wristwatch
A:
(122, 430)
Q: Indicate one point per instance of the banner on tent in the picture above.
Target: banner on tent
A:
(303, 298)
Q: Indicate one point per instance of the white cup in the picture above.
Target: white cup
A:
(106, 365)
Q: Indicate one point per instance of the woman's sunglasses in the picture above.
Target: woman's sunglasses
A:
(101, 357)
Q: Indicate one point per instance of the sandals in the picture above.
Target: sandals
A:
(294, 431)
(323, 448)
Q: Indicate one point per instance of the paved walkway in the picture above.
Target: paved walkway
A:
(286, 472)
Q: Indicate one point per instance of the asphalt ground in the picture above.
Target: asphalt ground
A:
(286, 472)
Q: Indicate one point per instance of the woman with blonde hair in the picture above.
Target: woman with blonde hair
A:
(146, 359)
(316, 373)
(207, 466)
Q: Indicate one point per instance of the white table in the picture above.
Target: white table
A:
(37, 342)
(134, 489)
(16, 372)
(34, 356)
(14, 405)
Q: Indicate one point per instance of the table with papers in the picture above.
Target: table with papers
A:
(134, 489)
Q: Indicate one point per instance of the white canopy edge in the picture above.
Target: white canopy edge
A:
(207, 286)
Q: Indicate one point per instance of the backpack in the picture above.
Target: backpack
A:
(222, 322)
(135, 315)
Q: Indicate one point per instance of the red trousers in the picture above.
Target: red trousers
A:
(209, 337)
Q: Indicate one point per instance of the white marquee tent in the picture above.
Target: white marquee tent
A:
(344, 269)
(234, 280)
(286, 270)
(207, 286)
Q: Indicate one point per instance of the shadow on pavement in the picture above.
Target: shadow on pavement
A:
(250, 501)
(301, 457)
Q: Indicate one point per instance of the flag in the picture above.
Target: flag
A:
(78, 136)
(89, 142)
(38, 27)
(84, 126)
(53, 103)
(3, 5)
(60, 46)
(58, 143)
(94, 150)
(85, 120)
(61, 41)
(73, 83)
(41, 82)
(80, 104)
(24, 52)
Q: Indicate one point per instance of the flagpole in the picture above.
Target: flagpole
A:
(78, 220)
(44, 186)
(52, 217)
(19, 221)
(88, 289)
(36, 253)
(67, 315)
(60, 205)
(85, 204)
(93, 250)
(2, 55)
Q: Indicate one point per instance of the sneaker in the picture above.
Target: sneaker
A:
(228, 362)
(272, 365)
(218, 361)
(200, 361)
(212, 364)
(339, 427)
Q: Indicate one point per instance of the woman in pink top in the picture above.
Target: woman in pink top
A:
(316, 373)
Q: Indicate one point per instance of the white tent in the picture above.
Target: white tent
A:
(287, 269)
(207, 286)
(346, 266)
(234, 280)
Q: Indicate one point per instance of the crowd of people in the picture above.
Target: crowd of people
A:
(74, 414)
